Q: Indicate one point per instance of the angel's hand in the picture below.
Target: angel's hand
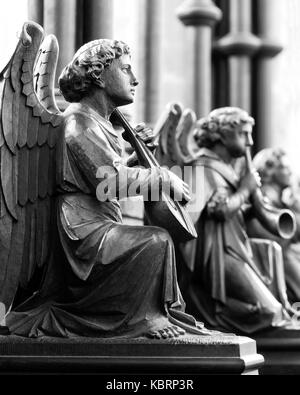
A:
(146, 135)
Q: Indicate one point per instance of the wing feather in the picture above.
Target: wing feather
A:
(15, 117)
(40, 235)
(6, 224)
(14, 263)
(32, 249)
(23, 122)
(7, 183)
(43, 168)
(32, 131)
(33, 174)
(45, 227)
(23, 176)
(52, 137)
(48, 228)
(3, 208)
(26, 76)
(7, 115)
(51, 173)
(15, 75)
(26, 255)
(2, 82)
(44, 77)
(43, 134)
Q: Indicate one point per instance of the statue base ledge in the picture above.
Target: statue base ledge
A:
(187, 355)
(281, 349)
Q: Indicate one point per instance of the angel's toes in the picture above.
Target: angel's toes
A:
(164, 333)
(178, 331)
(154, 335)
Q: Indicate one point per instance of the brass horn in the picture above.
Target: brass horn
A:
(280, 222)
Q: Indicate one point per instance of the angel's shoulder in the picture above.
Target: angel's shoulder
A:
(76, 123)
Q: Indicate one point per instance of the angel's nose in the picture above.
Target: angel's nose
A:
(249, 139)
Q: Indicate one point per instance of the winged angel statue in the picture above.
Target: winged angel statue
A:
(68, 266)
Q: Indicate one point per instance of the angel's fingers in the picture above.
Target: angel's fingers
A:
(140, 126)
(145, 132)
(145, 137)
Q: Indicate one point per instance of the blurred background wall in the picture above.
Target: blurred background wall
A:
(223, 52)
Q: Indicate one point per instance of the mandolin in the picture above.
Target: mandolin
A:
(166, 213)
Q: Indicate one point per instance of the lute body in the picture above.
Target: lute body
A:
(166, 213)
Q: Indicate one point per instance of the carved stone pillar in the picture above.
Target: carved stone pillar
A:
(267, 13)
(239, 45)
(200, 16)
(98, 19)
(149, 33)
(60, 19)
(36, 11)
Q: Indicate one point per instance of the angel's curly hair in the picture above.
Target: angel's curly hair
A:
(87, 65)
(266, 162)
(209, 130)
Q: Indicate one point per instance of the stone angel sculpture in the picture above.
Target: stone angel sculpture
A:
(69, 266)
(278, 186)
(228, 279)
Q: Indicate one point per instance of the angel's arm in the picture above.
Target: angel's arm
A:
(103, 168)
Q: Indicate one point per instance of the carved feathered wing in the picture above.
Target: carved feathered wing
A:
(174, 131)
(29, 135)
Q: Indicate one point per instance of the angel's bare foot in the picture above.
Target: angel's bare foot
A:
(169, 332)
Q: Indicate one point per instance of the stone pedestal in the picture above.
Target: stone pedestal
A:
(187, 355)
(281, 350)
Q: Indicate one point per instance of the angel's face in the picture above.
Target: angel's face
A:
(238, 139)
(283, 172)
(120, 82)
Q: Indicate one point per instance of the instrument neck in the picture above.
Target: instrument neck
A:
(145, 156)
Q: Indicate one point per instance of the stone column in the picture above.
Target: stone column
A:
(60, 20)
(36, 11)
(239, 46)
(98, 19)
(268, 16)
(149, 32)
(200, 16)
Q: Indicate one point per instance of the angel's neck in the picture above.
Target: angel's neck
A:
(100, 104)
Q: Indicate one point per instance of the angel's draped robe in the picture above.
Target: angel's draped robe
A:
(235, 283)
(290, 248)
(115, 279)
